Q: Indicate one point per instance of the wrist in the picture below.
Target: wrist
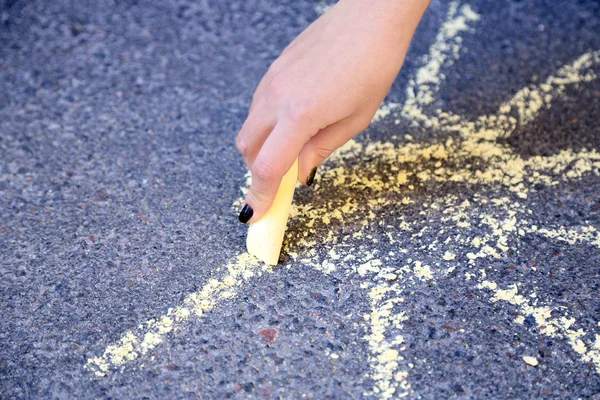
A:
(393, 21)
(403, 14)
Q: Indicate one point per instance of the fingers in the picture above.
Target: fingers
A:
(254, 132)
(320, 146)
(278, 153)
(272, 151)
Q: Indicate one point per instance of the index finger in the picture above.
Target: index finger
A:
(275, 158)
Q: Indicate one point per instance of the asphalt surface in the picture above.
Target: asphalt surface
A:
(118, 173)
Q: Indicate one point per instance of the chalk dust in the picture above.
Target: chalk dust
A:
(398, 171)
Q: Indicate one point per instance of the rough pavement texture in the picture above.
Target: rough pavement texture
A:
(118, 172)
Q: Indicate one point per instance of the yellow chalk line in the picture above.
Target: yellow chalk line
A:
(546, 323)
(138, 342)
(477, 139)
(384, 358)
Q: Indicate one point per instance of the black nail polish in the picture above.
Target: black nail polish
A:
(246, 214)
(311, 176)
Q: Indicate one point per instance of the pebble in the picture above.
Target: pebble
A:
(531, 360)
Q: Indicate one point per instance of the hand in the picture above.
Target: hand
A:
(322, 91)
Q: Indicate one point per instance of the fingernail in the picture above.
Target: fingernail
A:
(246, 214)
(311, 176)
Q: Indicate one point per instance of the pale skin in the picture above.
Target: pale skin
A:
(323, 90)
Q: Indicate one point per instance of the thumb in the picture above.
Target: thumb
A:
(329, 139)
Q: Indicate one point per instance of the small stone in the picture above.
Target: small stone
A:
(458, 389)
(391, 277)
(269, 335)
(531, 360)
(102, 195)
(335, 356)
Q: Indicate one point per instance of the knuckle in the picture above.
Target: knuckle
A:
(298, 110)
(260, 89)
(277, 87)
(255, 99)
(322, 152)
(316, 153)
(275, 66)
(242, 145)
(263, 171)
(301, 111)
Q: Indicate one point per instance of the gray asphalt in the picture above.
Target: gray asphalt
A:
(118, 172)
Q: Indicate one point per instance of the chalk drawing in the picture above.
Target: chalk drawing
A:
(465, 153)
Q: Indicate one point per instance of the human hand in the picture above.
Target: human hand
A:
(323, 90)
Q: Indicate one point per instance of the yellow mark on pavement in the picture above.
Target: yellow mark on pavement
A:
(384, 341)
(482, 227)
(550, 321)
(149, 335)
